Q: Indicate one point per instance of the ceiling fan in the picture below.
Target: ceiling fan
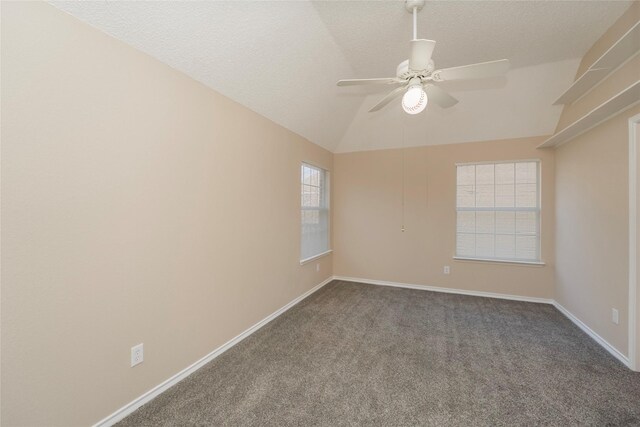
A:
(417, 75)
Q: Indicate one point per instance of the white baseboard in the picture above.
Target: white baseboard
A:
(597, 338)
(157, 390)
(446, 290)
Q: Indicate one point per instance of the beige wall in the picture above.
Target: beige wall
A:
(137, 206)
(592, 232)
(368, 242)
(592, 202)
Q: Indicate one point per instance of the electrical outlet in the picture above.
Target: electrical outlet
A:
(318, 267)
(447, 269)
(615, 317)
(137, 354)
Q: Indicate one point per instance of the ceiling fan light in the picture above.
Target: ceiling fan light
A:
(415, 100)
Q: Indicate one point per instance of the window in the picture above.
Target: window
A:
(315, 212)
(498, 211)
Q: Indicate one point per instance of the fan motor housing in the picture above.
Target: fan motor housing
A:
(403, 72)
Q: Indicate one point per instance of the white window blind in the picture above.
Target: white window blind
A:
(315, 211)
(498, 211)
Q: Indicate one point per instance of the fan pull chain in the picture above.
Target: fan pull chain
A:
(403, 168)
(403, 190)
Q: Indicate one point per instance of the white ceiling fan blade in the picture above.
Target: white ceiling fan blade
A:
(473, 71)
(354, 82)
(387, 99)
(439, 96)
(420, 55)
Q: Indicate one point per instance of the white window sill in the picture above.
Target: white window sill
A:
(313, 258)
(501, 261)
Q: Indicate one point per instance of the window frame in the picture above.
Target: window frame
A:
(535, 262)
(325, 197)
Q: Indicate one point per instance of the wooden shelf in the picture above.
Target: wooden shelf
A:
(616, 105)
(626, 47)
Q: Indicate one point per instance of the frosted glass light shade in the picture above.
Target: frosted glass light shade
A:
(414, 100)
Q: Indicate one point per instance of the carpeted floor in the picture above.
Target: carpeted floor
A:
(356, 354)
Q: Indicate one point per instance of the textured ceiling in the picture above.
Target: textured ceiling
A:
(282, 58)
(375, 34)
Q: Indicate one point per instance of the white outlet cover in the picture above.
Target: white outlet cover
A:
(447, 269)
(615, 316)
(137, 354)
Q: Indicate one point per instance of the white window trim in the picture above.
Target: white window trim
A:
(327, 208)
(497, 162)
(500, 261)
(537, 262)
(315, 257)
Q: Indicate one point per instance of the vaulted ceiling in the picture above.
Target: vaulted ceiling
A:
(283, 58)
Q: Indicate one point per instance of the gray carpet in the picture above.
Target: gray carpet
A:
(355, 354)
